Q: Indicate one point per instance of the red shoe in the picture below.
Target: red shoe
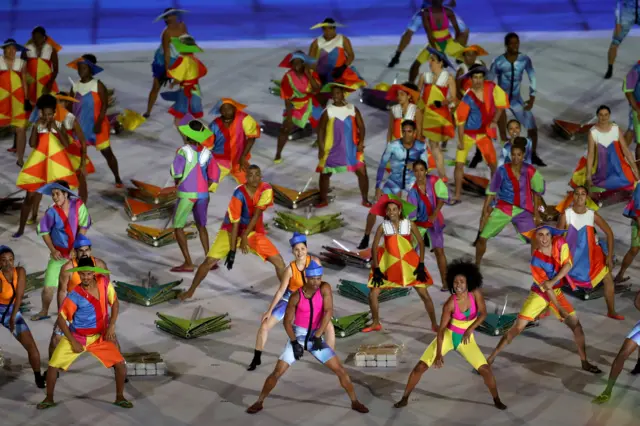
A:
(119, 185)
(182, 269)
(214, 267)
(12, 150)
(372, 328)
(321, 205)
(616, 317)
(367, 204)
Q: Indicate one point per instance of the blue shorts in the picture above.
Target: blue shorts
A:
(415, 24)
(323, 355)
(526, 118)
(634, 334)
(627, 18)
(281, 306)
(21, 324)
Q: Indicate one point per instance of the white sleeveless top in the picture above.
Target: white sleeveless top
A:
(404, 227)
(465, 68)
(341, 112)
(43, 129)
(84, 88)
(45, 53)
(441, 81)
(579, 221)
(329, 45)
(605, 138)
(18, 64)
(396, 110)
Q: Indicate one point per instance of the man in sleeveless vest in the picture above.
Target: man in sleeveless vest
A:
(306, 319)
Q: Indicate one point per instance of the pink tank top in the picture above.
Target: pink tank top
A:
(439, 33)
(459, 315)
(309, 311)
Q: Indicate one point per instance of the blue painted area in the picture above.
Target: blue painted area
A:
(108, 21)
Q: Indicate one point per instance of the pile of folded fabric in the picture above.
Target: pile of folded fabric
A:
(308, 226)
(149, 293)
(145, 364)
(378, 355)
(292, 199)
(341, 257)
(350, 324)
(360, 292)
(156, 237)
(146, 201)
(194, 327)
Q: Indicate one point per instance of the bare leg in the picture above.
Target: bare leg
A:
(335, 365)
(283, 137)
(513, 332)
(414, 379)
(441, 259)
(458, 175)
(490, 382)
(610, 297)
(53, 344)
(325, 180)
(263, 332)
(363, 183)
(374, 305)
(153, 96)
(52, 378)
(201, 274)
(83, 190)
(437, 155)
(428, 305)
(204, 238)
(47, 297)
(481, 248)
(35, 206)
(492, 168)
(121, 375)
(277, 263)
(269, 384)
(181, 239)
(463, 38)
(371, 222)
(626, 262)
(24, 213)
(414, 71)
(112, 162)
(611, 58)
(628, 347)
(578, 336)
(29, 344)
(330, 335)
(21, 144)
(405, 40)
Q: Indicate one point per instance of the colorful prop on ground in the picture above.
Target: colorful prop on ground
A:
(548, 213)
(156, 237)
(351, 324)
(498, 323)
(360, 292)
(376, 97)
(149, 293)
(378, 355)
(25, 306)
(475, 185)
(594, 293)
(569, 129)
(11, 202)
(275, 88)
(145, 364)
(34, 281)
(194, 327)
(272, 128)
(151, 193)
(341, 257)
(308, 225)
(292, 199)
(130, 120)
(139, 211)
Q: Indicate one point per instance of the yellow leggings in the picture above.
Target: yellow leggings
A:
(470, 351)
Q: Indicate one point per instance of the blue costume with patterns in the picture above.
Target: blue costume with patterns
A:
(509, 77)
(401, 177)
(627, 15)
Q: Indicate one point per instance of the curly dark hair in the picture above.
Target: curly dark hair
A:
(46, 101)
(468, 269)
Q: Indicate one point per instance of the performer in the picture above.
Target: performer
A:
(469, 56)
(513, 128)
(60, 226)
(406, 95)
(193, 170)
(438, 98)
(457, 325)
(400, 154)
(297, 89)
(627, 15)
(508, 70)
(632, 211)
(306, 320)
(477, 116)
(165, 55)
(234, 133)
(341, 135)
(609, 164)
(14, 105)
(550, 265)
(293, 279)
(243, 226)
(42, 65)
(48, 162)
(91, 110)
(91, 329)
(517, 187)
(12, 284)
(428, 195)
(591, 267)
(631, 89)
(391, 263)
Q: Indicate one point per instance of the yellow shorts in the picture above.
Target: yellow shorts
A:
(536, 304)
(471, 352)
(105, 351)
(259, 244)
(485, 145)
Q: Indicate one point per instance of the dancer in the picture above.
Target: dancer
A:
(428, 195)
(242, 227)
(92, 329)
(341, 136)
(400, 155)
(293, 279)
(91, 110)
(632, 211)
(469, 56)
(391, 263)
(13, 82)
(193, 170)
(306, 320)
(513, 129)
(609, 164)
(406, 95)
(457, 325)
(550, 265)
(477, 116)
(517, 187)
(438, 90)
(631, 89)
(12, 284)
(590, 265)
(48, 162)
(42, 65)
(234, 133)
(166, 54)
(60, 226)
(508, 70)
(627, 15)
(297, 89)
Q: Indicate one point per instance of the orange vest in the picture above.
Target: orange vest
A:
(297, 279)
(7, 291)
(75, 278)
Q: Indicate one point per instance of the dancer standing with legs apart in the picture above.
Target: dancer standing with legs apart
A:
(632, 211)
(627, 15)
(14, 103)
(293, 279)
(306, 320)
(462, 313)
(550, 264)
(396, 263)
(12, 284)
(590, 265)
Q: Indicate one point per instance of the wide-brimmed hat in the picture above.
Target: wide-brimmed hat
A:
(392, 93)
(297, 238)
(185, 44)
(11, 42)
(48, 189)
(286, 62)
(328, 22)
(170, 12)
(94, 68)
(90, 269)
(479, 50)
(441, 56)
(380, 207)
(552, 230)
(199, 136)
(327, 87)
(81, 241)
(475, 69)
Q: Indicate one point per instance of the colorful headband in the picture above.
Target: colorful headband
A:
(90, 269)
(81, 241)
(297, 239)
(313, 270)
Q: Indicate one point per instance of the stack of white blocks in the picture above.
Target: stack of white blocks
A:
(377, 356)
(146, 369)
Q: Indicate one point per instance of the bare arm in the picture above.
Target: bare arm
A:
(421, 83)
(454, 21)
(62, 134)
(22, 279)
(374, 247)
(602, 224)
(233, 238)
(348, 51)
(637, 301)
(166, 48)
(315, 84)
(252, 224)
(453, 90)
(104, 100)
(361, 130)
(392, 120)
(633, 102)
(322, 130)
(23, 78)
(482, 309)
(313, 50)
(247, 148)
(628, 156)
(77, 129)
(418, 237)
(591, 146)
(327, 303)
(290, 315)
(54, 69)
(418, 117)
(33, 139)
(115, 309)
(284, 283)
(562, 221)
(63, 283)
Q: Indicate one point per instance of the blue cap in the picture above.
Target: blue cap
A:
(297, 239)
(81, 241)
(6, 249)
(313, 270)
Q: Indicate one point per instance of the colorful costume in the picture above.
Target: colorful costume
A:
(241, 209)
(87, 111)
(415, 24)
(515, 201)
(465, 82)
(330, 55)
(509, 77)
(544, 268)
(187, 70)
(74, 150)
(195, 171)
(7, 299)
(40, 69)
(399, 117)
(632, 85)
(437, 124)
(589, 262)
(158, 68)
(627, 15)
(477, 115)
(297, 89)
(88, 319)
(425, 203)
(610, 170)
(632, 211)
(295, 283)
(341, 141)
(400, 159)
(444, 41)
(452, 341)
(506, 153)
(397, 258)
(12, 96)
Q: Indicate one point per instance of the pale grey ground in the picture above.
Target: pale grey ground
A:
(538, 375)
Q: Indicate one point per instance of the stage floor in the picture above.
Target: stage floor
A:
(538, 375)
